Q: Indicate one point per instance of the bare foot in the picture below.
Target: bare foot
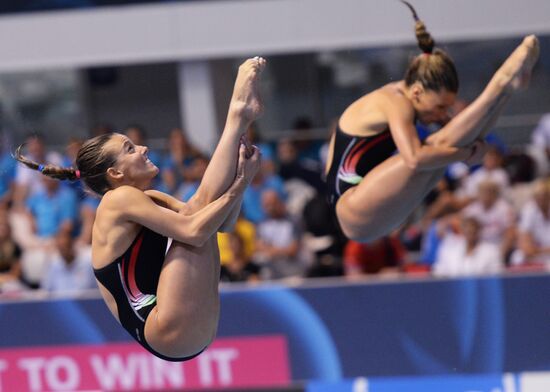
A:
(515, 73)
(246, 99)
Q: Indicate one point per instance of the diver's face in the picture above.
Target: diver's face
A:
(132, 165)
(433, 106)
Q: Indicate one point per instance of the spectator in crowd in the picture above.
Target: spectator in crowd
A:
(240, 267)
(302, 177)
(307, 147)
(27, 182)
(70, 270)
(496, 216)
(252, 198)
(71, 150)
(87, 211)
(10, 254)
(463, 251)
(534, 228)
(278, 243)
(254, 137)
(7, 176)
(181, 155)
(450, 201)
(54, 209)
(322, 238)
(491, 170)
(291, 167)
(48, 212)
(540, 145)
(194, 173)
(246, 231)
(382, 255)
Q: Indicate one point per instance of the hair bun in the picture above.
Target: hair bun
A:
(425, 41)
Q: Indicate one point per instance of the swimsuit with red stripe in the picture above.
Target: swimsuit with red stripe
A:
(353, 158)
(132, 279)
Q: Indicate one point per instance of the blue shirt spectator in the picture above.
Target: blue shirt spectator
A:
(7, 174)
(53, 208)
(70, 271)
(252, 197)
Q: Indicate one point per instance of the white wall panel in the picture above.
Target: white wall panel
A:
(198, 30)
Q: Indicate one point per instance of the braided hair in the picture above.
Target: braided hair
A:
(433, 68)
(92, 162)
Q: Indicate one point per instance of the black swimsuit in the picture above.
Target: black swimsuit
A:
(353, 157)
(132, 279)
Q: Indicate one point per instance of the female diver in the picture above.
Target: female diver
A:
(165, 295)
(373, 189)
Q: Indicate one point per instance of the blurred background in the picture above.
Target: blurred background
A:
(303, 308)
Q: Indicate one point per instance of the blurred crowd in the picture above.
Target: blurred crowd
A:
(478, 220)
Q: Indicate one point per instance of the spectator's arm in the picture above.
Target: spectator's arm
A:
(527, 244)
(508, 239)
(20, 192)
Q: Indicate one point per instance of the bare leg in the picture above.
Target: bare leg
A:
(185, 319)
(383, 199)
(476, 119)
(244, 108)
(186, 316)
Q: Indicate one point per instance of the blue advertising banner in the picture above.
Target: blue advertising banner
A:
(335, 331)
(478, 383)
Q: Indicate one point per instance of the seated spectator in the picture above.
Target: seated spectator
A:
(534, 228)
(7, 176)
(87, 211)
(302, 178)
(194, 173)
(180, 156)
(308, 149)
(463, 251)
(240, 267)
(69, 159)
(278, 243)
(322, 238)
(254, 137)
(382, 255)
(252, 197)
(291, 167)
(467, 184)
(540, 145)
(10, 254)
(48, 212)
(246, 231)
(70, 270)
(491, 170)
(28, 182)
(496, 216)
(53, 209)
